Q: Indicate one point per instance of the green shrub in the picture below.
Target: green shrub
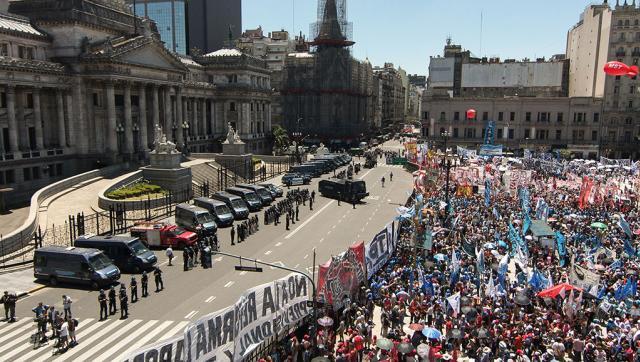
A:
(137, 190)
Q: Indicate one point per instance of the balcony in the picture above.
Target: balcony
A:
(621, 53)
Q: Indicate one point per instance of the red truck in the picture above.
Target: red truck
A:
(164, 235)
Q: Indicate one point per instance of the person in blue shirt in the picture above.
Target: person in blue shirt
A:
(41, 314)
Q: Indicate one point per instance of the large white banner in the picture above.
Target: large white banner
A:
(269, 309)
(583, 278)
(211, 337)
(379, 250)
(171, 350)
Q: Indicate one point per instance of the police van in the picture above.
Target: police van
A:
(57, 264)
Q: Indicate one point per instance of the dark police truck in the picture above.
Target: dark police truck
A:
(347, 190)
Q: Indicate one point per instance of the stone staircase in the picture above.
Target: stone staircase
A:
(209, 172)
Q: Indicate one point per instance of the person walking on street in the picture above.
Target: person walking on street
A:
(9, 301)
(52, 316)
(169, 253)
(112, 301)
(102, 300)
(287, 222)
(390, 176)
(134, 290)
(41, 317)
(63, 335)
(195, 249)
(66, 305)
(73, 324)
(313, 195)
(353, 202)
(339, 197)
(157, 273)
(238, 229)
(233, 235)
(185, 258)
(191, 254)
(144, 280)
(124, 300)
(297, 212)
(382, 181)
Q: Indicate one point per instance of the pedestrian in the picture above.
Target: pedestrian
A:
(287, 222)
(353, 202)
(144, 281)
(102, 300)
(191, 254)
(134, 290)
(185, 258)
(157, 273)
(310, 204)
(63, 335)
(339, 197)
(233, 235)
(5, 302)
(52, 315)
(73, 324)
(390, 176)
(238, 232)
(124, 299)
(41, 317)
(297, 212)
(293, 214)
(112, 301)
(195, 249)
(169, 253)
(66, 306)
(313, 195)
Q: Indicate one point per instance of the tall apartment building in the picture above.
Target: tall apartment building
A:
(393, 95)
(170, 17)
(604, 34)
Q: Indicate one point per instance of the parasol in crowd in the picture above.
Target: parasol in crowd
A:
(489, 246)
(384, 343)
(416, 326)
(431, 333)
(560, 289)
(423, 350)
(455, 334)
(402, 295)
(483, 333)
(599, 225)
(522, 299)
(405, 348)
(325, 321)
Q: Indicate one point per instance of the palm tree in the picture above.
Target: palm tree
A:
(280, 138)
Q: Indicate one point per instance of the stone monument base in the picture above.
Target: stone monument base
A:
(236, 149)
(165, 160)
(241, 165)
(171, 179)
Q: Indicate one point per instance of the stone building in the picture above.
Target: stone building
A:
(327, 94)
(392, 96)
(82, 86)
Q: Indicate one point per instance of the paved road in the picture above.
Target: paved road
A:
(329, 229)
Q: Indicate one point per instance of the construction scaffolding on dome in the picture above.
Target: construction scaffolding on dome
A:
(332, 27)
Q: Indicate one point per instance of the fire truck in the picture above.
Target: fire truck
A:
(164, 235)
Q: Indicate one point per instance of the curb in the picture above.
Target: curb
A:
(32, 290)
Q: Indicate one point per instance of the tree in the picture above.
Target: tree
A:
(280, 138)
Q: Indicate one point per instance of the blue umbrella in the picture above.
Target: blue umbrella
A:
(431, 333)
(440, 257)
(489, 246)
(502, 244)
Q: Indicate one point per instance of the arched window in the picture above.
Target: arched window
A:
(619, 22)
(626, 22)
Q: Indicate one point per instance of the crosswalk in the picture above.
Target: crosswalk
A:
(391, 166)
(110, 340)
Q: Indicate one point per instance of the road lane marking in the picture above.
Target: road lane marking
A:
(365, 174)
(308, 220)
(107, 340)
(142, 341)
(24, 356)
(297, 265)
(362, 229)
(278, 243)
(131, 336)
(358, 236)
(306, 256)
(333, 227)
(218, 259)
(243, 272)
(321, 240)
(210, 299)
(267, 252)
(329, 232)
(343, 216)
(229, 284)
(191, 314)
(92, 338)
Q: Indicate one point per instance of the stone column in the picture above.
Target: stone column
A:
(168, 122)
(11, 115)
(21, 122)
(80, 135)
(203, 131)
(179, 119)
(212, 118)
(112, 135)
(37, 119)
(62, 133)
(128, 122)
(505, 133)
(155, 109)
(533, 133)
(193, 128)
(142, 116)
(71, 141)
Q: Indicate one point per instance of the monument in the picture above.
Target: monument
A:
(233, 145)
(234, 154)
(164, 169)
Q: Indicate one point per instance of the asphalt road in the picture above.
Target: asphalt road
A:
(329, 229)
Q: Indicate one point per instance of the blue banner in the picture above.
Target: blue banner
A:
(526, 224)
(490, 150)
(487, 192)
(562, 248)
(490, 133)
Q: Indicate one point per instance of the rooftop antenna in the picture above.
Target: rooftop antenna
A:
(293, 26)
(481, 26)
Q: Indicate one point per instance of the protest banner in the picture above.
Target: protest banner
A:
(211, 337)
(377, 252)
(170, 350)
(583, 278)
(340, 277)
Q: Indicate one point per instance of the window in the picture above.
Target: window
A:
(426, 115)
(28, 100)
(635, 61)
(25, 52)
(626, 22)
(500, 133)
(456, 116)
(511, 134)
(26, 172)
(97, 100)
(59, 169)
(558, 134)
(621, 37)
(443, 116)
(512, 116)
(544, 116)
(35, 172)
(527, 133)
(455, 133)
(596, 117)
(559, 117)
(485, 116)
(3, 100)
(628, 121)
(619, 22)
(527, 116)
(4, 49)
(10, 176)
(500, 116)
(616, 90)
(630, 104)
(119, 100)
(232, 106)
(594, 135)
(635, 22)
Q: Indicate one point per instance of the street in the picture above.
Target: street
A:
(187, 296)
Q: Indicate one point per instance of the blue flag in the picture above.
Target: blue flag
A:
(487, 192)
(526, 224)
(562, 249)
(624, 225)
(538, 281)
(629, 289)
(427, 287)
(628, 248)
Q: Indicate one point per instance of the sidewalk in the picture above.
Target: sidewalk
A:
(21, 282)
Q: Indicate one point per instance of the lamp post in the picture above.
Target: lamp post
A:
(185, 136)
(120, 132)
(136, 142)
(446, 163)
(282, 267)
(297, 136)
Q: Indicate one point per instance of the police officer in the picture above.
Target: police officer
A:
(9, 300)
(102, 299)
(238, 232)
(144, 281)
(157, 273)
(196, 249)
(112, 301)
(124, 307)
(297, 212)
(134, 290)
(185, 258)
(287, 222)
(233, 235)
(313, 195)
(310, 204)
(353, 202)
(339, 197)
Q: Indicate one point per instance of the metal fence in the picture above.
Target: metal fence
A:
(230, 176)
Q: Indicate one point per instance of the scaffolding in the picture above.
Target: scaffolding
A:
(346, 27)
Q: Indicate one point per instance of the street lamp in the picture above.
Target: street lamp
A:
(297, 136)
(120, 133)
(185, 136)
(447, 164)
(282, 267)
(136, 142)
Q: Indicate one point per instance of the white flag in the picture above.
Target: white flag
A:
(454, 301)
(455, 263)
(491, 287)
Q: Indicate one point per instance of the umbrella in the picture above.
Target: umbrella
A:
(556, 290)
(465, 301)
(599, 225)
(637, 232)
(522, 299)
(431, 333)
(468, 310)
(528, 237)
(384, 343)
(320, 359)
(325, 321)
(440, 257)
(402, 295)
(502, 244)
(416, 326)
(455, 334)
(483, 333)
(423, 350)
(489, 246)
(405, 348)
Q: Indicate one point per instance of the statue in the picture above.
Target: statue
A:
(232, 135)
(161, 144)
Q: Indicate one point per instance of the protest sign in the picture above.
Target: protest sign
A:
(171, 350)
(340, 277)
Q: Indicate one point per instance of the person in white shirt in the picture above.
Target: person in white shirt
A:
(64, 335)
(66, 304)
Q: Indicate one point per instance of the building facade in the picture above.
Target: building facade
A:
(209, 23)
(170, 17)
(81, 90)
(392, 96)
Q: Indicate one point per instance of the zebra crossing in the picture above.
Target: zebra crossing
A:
(110, 340)
(390, 166)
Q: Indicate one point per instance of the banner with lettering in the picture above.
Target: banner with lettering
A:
(211, 337)
(170, 350)
(378, 251)
(340, 277)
